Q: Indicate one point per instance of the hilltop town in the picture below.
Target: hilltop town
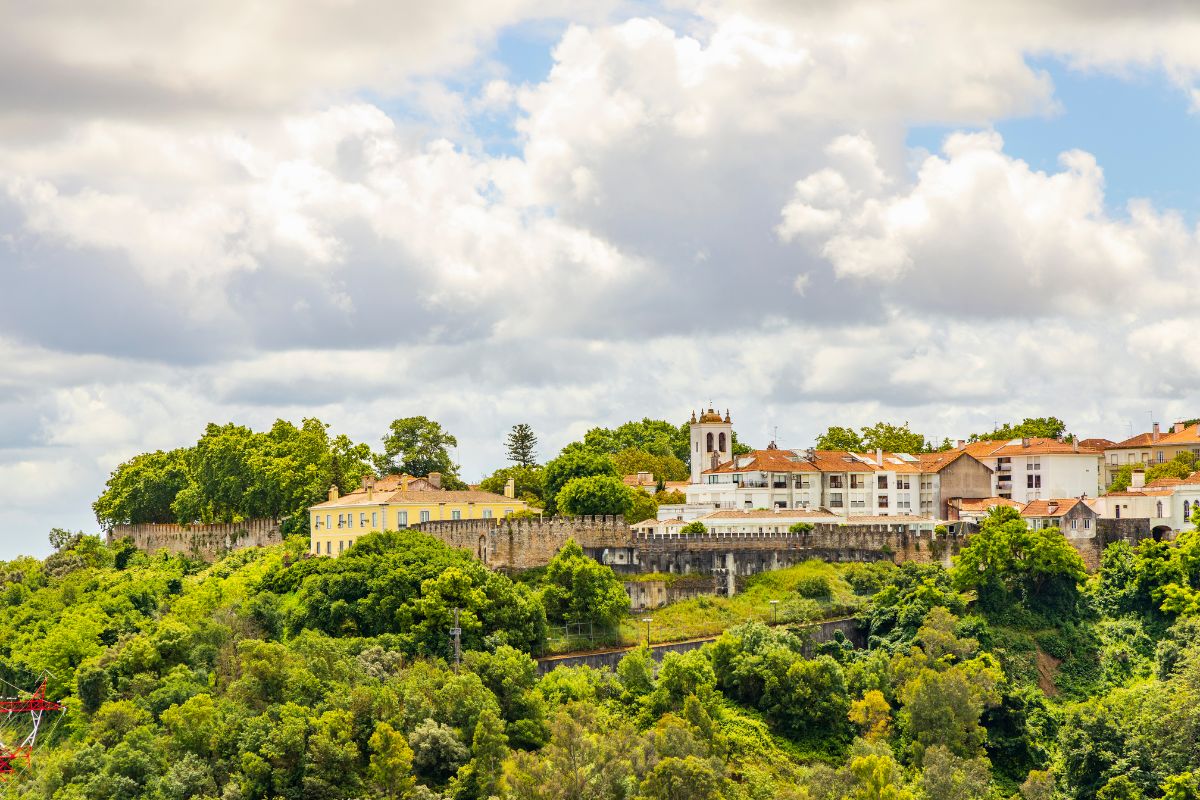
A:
(711, 507)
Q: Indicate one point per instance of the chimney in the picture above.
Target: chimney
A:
(368, 485)
(644, 478)
(879, 456)
(333, 492)
(1025, 442)
(1051, 507)
(1075, 445)
(1154, 432)
(404, 482)
(510, 489)
(1179, 427)
(435, 479)
(1138, 479)
(962, 443)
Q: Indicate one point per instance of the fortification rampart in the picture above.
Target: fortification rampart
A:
(207, 542)
(525, 543)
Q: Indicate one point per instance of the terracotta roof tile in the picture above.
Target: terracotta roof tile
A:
(1188, 436)
(423, 496)
(1052, 507)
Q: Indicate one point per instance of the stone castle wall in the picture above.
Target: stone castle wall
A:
(517, 544)
(207, 542)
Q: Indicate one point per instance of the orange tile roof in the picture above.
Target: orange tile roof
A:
(633, 480)
(982, 503)
(1050, 508)
(1038, 445)
(775, 460)
(424, 496)
(1097, 443)
(1188, 436)
(1135, 441)
(936, 462)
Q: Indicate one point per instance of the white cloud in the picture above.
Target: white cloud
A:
(232, 214)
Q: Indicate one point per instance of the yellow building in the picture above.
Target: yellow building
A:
(396, 502)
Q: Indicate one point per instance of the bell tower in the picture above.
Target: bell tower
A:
(712, 441)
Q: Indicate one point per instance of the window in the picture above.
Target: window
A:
(721, 442)
(1129, 458)
(341, 546)
(835, 500)
(1159, 457)
(835, 481)
(317, 522)
(883, 501)
(424, 516)
(328, 520)
(859, 503)
(456, 514)
(487, 513)
(710, 443)
(903, 503)
(375, 519)
(362, 519)
(341, 520)
(857, 482)
(1187, 513)
(329, 547)
(508, 512)
(1074, 524)
(1113, 459)
(1033, 481)
(1158, 509)
(1118, 510)
(1033, 463)
(903, 482)
(1087, 523)
(1145, 458)
(401, 520)
(883, 481)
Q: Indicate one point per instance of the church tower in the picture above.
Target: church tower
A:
(712, 442)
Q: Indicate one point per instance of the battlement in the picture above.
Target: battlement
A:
(207, 542)
(524, 543)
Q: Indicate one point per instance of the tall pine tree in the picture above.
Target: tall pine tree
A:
(522, 445)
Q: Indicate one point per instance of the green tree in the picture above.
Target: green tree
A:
(1181, 466)
(837, 438)
(521, 445)
(579, 589)
(597, 494)
(391, 763)
(633, 460)
(437, 752)
(642, 507)
(418, 446)
(575, 462)
(1030, 427)
(529, 482)
(695, 526)
(688, 778)
(143, 489)
(483, 777)
(893, 438)
(1006, 562)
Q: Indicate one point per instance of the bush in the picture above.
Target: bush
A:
(815, 587)
(694, 527)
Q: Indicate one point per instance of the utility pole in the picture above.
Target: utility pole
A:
(456, 632)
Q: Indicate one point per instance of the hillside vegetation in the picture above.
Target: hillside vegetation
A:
(271, 675)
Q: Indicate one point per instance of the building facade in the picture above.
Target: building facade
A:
(394, 504)
(1039, 468)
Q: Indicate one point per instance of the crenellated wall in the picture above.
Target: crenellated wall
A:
(524, 543)
(207, 542)
(518, 544)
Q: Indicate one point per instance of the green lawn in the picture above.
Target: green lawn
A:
(808, 592)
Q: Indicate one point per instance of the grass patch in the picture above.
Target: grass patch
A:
(812, 591)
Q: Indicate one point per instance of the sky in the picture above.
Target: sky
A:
(575, 214)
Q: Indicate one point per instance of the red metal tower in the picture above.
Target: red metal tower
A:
(34, 706)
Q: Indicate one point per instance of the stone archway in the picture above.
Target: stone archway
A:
(1161, 533)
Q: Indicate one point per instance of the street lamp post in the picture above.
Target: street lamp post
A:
(647, 621)
(774, 612)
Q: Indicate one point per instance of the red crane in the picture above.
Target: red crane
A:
(14, 708)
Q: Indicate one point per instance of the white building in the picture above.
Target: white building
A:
(1168, 502)
(1040, 468)
(843, 483)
